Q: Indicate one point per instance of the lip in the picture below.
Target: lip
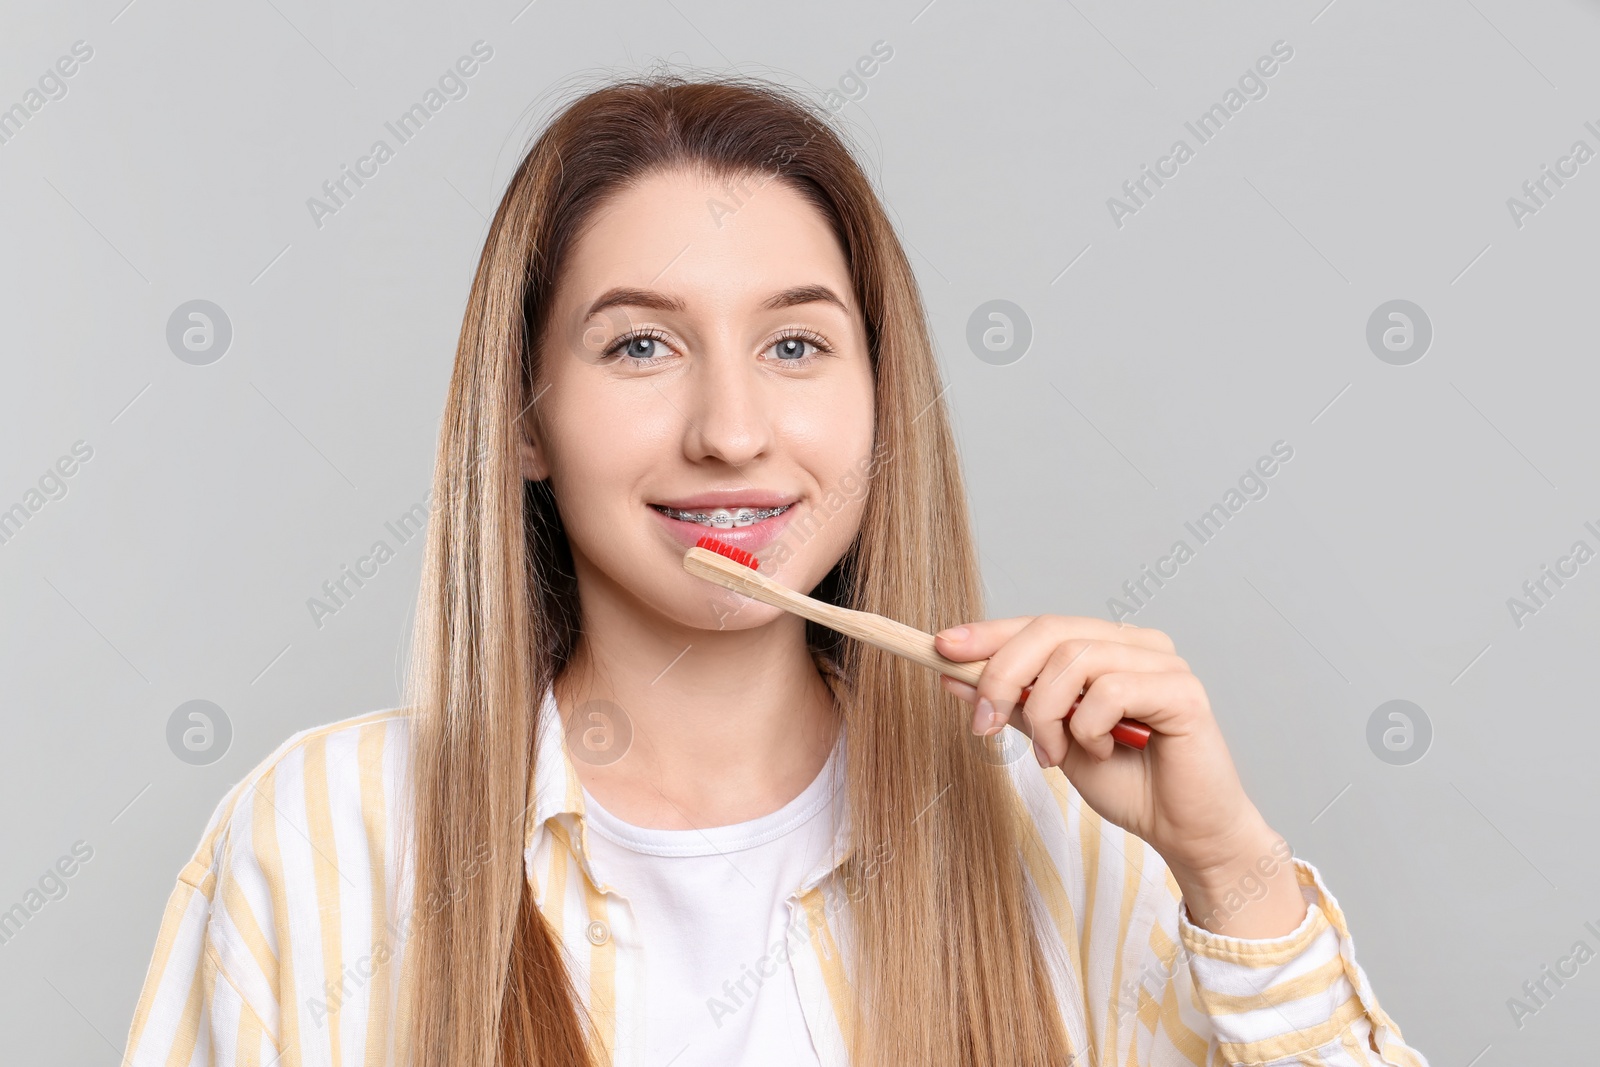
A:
(752, 538)
(730, 498)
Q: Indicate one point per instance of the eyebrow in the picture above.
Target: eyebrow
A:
(623, 296)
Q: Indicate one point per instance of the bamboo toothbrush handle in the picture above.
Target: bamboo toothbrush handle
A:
(913, 644)
(908, 642)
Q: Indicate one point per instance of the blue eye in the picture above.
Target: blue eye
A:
(791, 348)
(642, 347)
(639, 347)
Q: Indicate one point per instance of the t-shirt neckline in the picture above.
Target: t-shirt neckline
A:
(720, 840)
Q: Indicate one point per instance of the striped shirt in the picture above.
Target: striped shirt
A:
(284, 940)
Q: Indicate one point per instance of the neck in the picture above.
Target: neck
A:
(727, 725)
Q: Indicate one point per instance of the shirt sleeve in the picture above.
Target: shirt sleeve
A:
(1158, 990)
(1296, 999)
(190, 1009)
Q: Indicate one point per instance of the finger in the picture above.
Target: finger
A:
(1072, 667)
(983, 723)
(979, 640)
(1167, 701)
(1075, 664)
(959, 689)
(1050, 702)
(1015, 663)
(1022, 658)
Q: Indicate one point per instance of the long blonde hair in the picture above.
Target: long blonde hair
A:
(948, 967)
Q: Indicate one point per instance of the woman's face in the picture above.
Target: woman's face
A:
(705, 371)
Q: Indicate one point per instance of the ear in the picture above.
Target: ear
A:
(530, 451)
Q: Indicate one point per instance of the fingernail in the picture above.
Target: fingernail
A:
(987, 717)
(955, 633)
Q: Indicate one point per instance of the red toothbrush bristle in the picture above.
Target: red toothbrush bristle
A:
(722, 548)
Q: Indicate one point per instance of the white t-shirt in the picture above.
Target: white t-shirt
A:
(710, 911)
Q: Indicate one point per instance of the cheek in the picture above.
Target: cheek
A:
(598, 449)
(830, 432)
(832, 441)
(838, 409)
(848, 426)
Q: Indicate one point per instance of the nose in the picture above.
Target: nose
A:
(725, 409)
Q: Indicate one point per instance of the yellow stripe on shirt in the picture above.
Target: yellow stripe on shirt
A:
(326, 873)
(370, 750)
(826, 954)
(265, 840)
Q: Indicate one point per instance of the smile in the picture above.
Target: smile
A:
(723, 518)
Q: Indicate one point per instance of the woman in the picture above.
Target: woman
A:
(630, 817)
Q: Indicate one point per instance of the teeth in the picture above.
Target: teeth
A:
(726, 518)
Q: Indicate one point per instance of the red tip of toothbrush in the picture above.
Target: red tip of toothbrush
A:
(722, 548)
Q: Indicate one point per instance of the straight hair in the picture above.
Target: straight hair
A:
(947, 968)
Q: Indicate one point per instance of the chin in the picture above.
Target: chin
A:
(700, 605)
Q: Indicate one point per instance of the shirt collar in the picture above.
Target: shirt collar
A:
(558, 798)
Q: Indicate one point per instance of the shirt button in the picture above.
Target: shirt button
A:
(598, 933)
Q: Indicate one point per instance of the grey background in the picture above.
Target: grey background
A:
(1167, 355)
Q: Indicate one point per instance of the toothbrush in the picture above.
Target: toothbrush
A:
(735, 569)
